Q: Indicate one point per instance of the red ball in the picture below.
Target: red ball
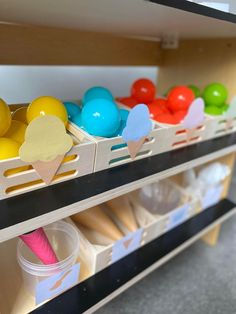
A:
(166, 118)
(180, 98)
(143, 90)
(158, 106)
(128, 101)
(160, 103)
(180, 115)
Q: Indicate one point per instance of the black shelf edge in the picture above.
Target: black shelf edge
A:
(198, 9)
(93, 290)
(21, 208)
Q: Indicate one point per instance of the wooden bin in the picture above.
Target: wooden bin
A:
(101, 256)
(163, 223)
(221, 126)
(177, 136)
(77, 162)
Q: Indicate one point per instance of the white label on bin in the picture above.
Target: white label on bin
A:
(178, 216)
(56, 284)
(212, 196)
(126, 245)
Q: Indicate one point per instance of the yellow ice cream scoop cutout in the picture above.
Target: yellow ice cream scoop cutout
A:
(46, 143)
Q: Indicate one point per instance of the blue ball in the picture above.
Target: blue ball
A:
(124, 114)
(95, 93)
(101, 117)
(72, 109)
(78, 121)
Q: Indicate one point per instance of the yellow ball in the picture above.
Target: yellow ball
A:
(8, 148)
(47, 105)
(17, 131)
(20, 115)
(5, 117)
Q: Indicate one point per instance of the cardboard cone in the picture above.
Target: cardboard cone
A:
(47, 169)
(122, 209)
(38, 242)
(135, 146)
(94, 218)
(93, 236)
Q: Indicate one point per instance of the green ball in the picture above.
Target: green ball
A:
(195, 90)
(225, 107)
(215, 94)
(213, 110)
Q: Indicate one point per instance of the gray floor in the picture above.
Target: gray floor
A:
(201, 280)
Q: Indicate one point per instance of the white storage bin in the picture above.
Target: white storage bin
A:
(79, 161)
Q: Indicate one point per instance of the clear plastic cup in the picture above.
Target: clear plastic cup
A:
(64, 240)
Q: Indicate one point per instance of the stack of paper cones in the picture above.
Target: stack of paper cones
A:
(135, 146)
(39, 244)
(48, 169)
(121, 208)
(95, 218)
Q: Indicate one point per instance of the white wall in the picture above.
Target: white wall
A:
(19, 84)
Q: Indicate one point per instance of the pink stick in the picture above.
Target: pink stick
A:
(38, 242)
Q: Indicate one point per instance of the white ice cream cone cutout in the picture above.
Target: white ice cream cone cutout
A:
(46, 143)
(230, 114)
(194, 118)
(120, 206)
(138, 126)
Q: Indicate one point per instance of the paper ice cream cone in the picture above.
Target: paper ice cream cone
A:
(47, 169)
(94, 218)
(135, 146)
(39, 244)
(121, 208)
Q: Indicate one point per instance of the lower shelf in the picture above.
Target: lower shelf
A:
(102, 287)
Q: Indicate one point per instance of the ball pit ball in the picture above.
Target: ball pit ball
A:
(77, 119)
(47, 105)
(97, 92)
(180, 115)
(20, 115)
(225, 107)
(8, 148)
(124, 114)
(155, 110)
(143, 90)
(215, 94)
(16, 131)
(101, 117)
(158, 106)
(166, 118)
(72, 109)
(214, 110)
(5, 117)
(180, 98)
(128, 101)
(196, 90)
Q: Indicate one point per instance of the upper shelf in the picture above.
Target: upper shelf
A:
(138, 18)
(29, 211)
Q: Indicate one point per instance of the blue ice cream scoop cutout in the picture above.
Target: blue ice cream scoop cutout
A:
(138, 124)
